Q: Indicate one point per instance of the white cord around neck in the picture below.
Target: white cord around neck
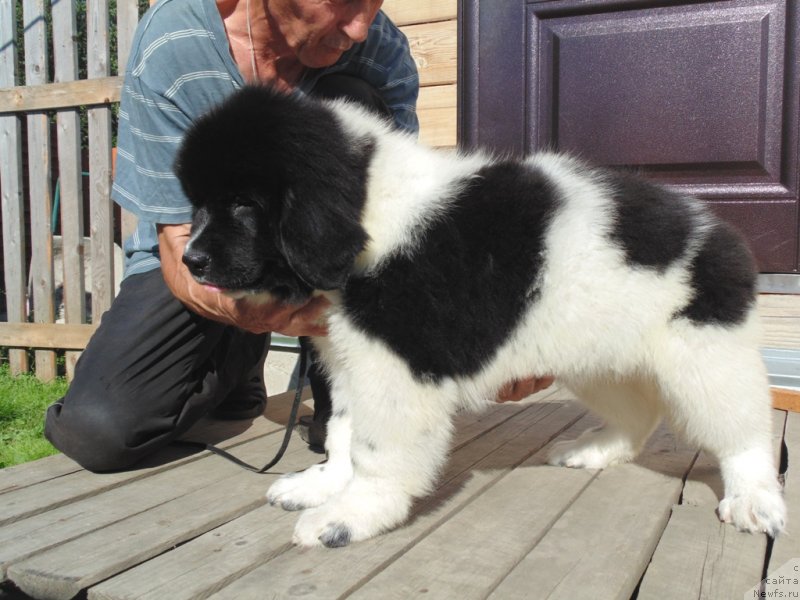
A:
(252, 48)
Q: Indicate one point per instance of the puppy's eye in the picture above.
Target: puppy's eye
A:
(242, 201)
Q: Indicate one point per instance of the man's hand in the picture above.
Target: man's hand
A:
(288, 319)
(522, 388)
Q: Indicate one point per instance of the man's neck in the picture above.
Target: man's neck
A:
(258, 47)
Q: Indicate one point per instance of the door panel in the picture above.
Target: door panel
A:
(702, 96)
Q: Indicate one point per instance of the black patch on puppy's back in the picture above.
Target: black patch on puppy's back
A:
(723, 279)
(652, 224)
(448, 308)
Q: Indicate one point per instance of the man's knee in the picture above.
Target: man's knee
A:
(91, 435)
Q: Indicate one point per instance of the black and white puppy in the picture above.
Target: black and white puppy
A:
(451, 275)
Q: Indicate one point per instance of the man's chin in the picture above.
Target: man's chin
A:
(321, 58)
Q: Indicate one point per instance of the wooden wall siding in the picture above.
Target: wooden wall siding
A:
(432, 31)
(780, 318)
(437, 116)
(36, 95)
(433, 45)
(409, 12)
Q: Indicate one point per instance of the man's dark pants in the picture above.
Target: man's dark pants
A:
(153, 368)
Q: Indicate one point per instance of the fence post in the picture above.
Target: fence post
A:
(41, 200)
(65, 51)
(11, 200)
(102, 215)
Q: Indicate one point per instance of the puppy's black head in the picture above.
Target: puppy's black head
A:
(278, 188)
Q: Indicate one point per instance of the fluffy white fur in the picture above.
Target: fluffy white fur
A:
(389, 435)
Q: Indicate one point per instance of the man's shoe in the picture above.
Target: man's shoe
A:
(249, 398)
(247, 401)
(312, 433)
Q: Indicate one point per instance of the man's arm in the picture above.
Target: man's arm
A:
(522, 388)
(288, 319)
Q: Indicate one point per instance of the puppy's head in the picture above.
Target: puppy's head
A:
(277, 188)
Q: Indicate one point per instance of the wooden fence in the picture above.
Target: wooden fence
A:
(41, 104)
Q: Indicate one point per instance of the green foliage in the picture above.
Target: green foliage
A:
(23, 401)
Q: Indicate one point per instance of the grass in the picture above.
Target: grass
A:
(23, 400)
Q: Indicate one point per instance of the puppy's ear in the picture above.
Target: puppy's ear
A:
(320, 231)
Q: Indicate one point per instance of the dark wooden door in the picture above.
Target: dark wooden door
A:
(698, 95)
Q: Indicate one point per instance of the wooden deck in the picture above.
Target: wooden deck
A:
(501, 524)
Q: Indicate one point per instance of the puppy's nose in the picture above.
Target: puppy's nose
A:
(196, 261)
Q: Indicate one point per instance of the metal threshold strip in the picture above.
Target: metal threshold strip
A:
(783, 366)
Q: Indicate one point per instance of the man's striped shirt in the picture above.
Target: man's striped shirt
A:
(180, 67)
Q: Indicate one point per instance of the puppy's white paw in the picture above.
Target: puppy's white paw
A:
(594, 449)
(358, 513)
(761, 510)
(324, 527)
(306, 489)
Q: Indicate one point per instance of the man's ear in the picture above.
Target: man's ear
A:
(320, 232)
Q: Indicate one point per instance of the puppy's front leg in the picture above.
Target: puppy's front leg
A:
(312, 487)
(400, 440)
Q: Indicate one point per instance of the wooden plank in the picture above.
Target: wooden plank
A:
(407, 12)
(787, 546)
(436, 110)
(433, 47)
(780, 319)
(157, 522)
(25, 474)
(785, 399)
(704, 486)
(700, 557)
(102, 215)
(780, 332)
(45, 335)
(44, 532)
(472, 471)
(779, 305)
(39, 173)
(12, 206)
(70, 178)
(714, 560)
(55, 574)
(127, 19)
(260, 536)
(68, 94)
(186, 572)
(487, 538)
(611, 529)
(46, 493)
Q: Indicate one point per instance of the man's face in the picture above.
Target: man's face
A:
(320, 31)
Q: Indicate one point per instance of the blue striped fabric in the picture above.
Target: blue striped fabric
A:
(180, 67)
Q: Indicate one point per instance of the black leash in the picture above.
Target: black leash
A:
(298, 397)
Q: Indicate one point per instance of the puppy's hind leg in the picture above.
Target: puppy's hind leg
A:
(401, 434)
(631, 411)
(715, 387)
